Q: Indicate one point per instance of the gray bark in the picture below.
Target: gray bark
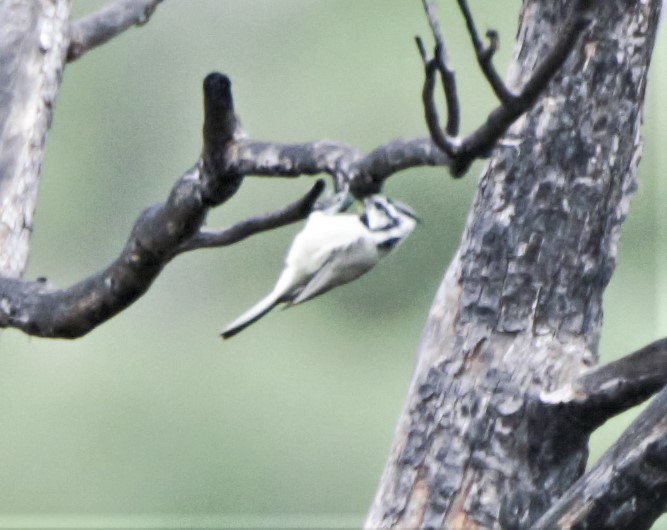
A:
(33, 44)
(627, 487)
(519, 311)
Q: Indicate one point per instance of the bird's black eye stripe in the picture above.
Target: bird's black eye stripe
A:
(364, 219)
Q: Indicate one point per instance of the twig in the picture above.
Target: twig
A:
(441, 63)
(441, 138)
(606, 391)
(485, 56)
(97, 28)
(478, 144)
(627, 487)
(291, 213)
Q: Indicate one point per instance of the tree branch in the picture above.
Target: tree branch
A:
(485, 56)
(478, 144)
(606, 391)
(169, 229)
(442, 139)
(627, 487)
(39, 309)
(441, 63)
(289, 214)
(97, 28)
(363, 173)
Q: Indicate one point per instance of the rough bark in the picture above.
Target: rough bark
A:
(519, 311)
(627, 487)
(605, 391)
(33, 44)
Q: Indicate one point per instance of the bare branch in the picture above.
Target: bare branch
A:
(627, 487)
(605, 391)
(39, 309)
(97, 28)
(478, 144)
(373, 169)
(441, 138)
(168, 229)
(364, 173)
(448, 81)
(441, 62)
(251, 157)
(289, 214)
(485, 56)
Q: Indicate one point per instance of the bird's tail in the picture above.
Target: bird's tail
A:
(251, 315)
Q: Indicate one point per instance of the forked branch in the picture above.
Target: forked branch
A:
(176, 226)
(161, 232)
(478, 144)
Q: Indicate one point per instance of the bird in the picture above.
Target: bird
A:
(333, 249)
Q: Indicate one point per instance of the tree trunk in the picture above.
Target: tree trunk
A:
(520, 309)
(33, 44)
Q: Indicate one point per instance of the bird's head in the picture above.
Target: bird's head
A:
(389, 220)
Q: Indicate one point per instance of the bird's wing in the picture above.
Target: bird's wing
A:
(342, 266)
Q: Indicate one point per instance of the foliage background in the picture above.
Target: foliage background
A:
(152, 420)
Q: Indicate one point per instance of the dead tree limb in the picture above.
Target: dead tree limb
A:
(169, 229)
(363, 173)
(440, 63)
(602, 392)
(627, 487)
(478, 144)
(101, 26)
(208, 238)
(161, 232)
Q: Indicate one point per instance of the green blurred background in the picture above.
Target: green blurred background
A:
(151, 420)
